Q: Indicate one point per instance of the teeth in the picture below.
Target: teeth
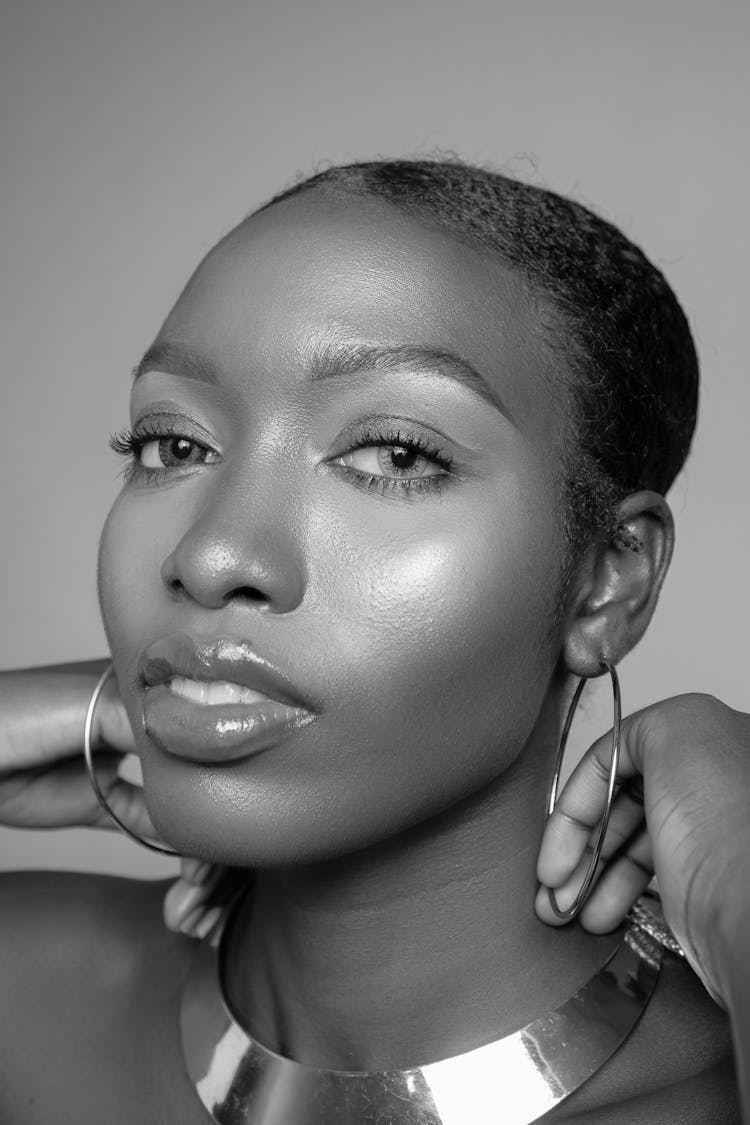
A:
(214, 693)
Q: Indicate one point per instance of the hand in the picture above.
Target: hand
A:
(197, 902)
(43, 779)
(690, 827)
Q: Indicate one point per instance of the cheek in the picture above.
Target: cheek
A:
(131, 552)
(440, 652)
(111, 593)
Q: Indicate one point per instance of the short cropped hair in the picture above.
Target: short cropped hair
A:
(634, 392)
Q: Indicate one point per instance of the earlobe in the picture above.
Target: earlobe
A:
(618, 585)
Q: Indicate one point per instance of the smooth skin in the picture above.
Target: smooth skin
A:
(395, 838)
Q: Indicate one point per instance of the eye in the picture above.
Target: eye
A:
(172, 452)
(158, 449)
(390, 461)
(386, 457)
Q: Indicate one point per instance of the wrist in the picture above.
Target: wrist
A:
(732, 929)
(730, 950)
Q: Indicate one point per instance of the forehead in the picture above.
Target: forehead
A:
(314, 268)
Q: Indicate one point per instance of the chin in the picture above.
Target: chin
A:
(240, 816)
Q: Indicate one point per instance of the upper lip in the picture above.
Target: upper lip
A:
(222, 658)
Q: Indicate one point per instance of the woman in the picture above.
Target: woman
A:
(394, 480)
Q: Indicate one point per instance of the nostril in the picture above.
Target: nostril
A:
(249, 594)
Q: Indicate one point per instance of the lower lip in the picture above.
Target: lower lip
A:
(216, 733)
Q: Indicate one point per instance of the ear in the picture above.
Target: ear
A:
(617, 585)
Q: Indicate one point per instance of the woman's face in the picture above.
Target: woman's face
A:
(344, 495)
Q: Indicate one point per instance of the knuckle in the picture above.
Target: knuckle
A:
(601, 767)
(691, 714)
(639, 866)
(573, 821)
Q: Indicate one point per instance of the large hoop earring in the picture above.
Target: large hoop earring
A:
(92, 775)
(585, 888)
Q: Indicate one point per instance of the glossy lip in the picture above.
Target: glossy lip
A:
(214, 733)
(223, 658)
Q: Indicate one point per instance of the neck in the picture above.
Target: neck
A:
(415, 950)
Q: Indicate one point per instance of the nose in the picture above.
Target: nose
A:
(237, 551)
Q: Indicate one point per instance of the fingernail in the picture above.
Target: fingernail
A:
(195, 870)
(181, 900)
(190, 922)
(207, 922)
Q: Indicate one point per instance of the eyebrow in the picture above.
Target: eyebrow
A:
(176, 359)
(346, 359)
(335, 360)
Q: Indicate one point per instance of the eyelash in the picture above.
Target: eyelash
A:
(127, 443)
(411, 442)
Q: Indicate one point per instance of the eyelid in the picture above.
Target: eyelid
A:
(194, 430)
(210, 456)
(413, 442)
(369, 424)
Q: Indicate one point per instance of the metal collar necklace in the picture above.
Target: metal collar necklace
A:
(513, 1081)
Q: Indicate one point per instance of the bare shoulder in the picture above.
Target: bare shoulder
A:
(676, 1068)
(90, 980)
(59, 924)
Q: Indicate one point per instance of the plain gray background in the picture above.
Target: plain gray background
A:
(133, 134)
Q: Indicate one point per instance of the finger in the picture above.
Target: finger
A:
(187, 900)
(194, 870)
(620, 884)
(566, 893)
(61, 796)
(580, 805)
(53, 795)
(194, 910)
(618, 881)
(128, 803)
(625, 818)
(110, 724)
(37, 745)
